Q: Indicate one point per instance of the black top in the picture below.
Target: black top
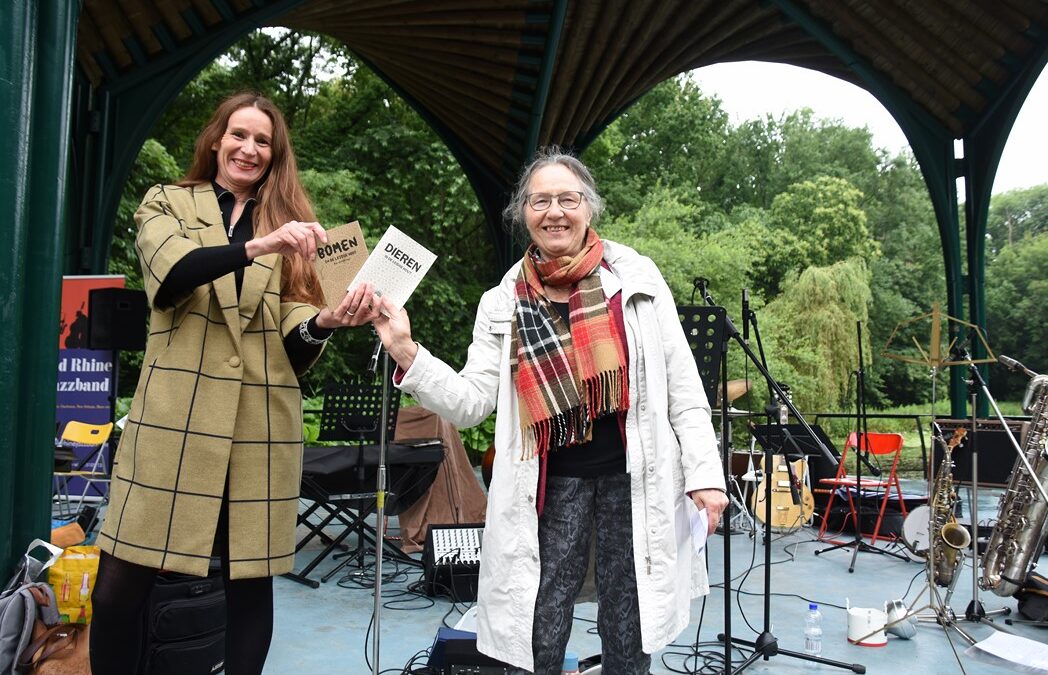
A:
(604, 455)
(207, 263)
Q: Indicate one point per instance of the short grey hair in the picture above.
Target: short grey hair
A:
(513, 214)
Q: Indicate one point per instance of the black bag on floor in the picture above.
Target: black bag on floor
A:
(185, 625)
(1033, 598)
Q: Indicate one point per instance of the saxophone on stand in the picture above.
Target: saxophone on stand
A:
(943, 527)
(1018, 536)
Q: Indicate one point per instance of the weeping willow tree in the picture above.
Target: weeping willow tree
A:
(810, 333)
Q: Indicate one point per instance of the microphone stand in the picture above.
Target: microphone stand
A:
(766, 645)
(975, 611)
(862, 440)
(380, 497)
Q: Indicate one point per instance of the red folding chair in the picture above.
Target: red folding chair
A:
(876, 444)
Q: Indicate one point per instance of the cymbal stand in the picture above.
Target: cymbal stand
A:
(766, 645)
(741, 519)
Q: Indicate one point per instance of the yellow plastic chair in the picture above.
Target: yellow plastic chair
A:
(91, 469)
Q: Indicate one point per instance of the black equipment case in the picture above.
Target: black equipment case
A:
(185, 625)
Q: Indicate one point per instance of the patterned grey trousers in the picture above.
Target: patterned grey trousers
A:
(572, 507)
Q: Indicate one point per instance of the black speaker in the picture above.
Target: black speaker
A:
(117, 319)
(997, 457)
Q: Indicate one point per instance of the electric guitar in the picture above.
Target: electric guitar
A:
(775, 485)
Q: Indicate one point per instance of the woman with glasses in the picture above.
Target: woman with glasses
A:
(602, 427)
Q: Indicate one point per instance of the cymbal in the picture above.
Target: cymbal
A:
(736, 389)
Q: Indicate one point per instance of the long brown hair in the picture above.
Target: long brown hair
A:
(281, 197)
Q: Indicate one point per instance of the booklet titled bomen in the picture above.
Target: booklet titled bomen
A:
(396, 266)
(339, 260)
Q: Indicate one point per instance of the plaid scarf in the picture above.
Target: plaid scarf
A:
(566, 375)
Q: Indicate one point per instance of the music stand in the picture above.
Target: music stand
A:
(704, 328)
(803, 441)
(766, 645)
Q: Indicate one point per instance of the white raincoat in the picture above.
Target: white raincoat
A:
(670, 444)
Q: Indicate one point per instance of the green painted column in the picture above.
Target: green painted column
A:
(17, 64)
(934, 153)
(983, 148)
(47, 225)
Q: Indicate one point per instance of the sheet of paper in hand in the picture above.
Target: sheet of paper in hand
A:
(339, 260)
(396, 266)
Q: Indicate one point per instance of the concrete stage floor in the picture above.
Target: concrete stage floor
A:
(323, 630)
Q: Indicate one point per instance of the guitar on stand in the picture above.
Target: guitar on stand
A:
(792, 502)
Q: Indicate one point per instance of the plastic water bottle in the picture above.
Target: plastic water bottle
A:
(571, 664)
(813, 631)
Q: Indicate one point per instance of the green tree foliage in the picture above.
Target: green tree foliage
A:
(788, 192)
(1016, 214)
(1017, 310)
(673, 136)
(907, 279)
(762, 158)
(663, 229)
(286, 66)
(810, 332)
(825, 216)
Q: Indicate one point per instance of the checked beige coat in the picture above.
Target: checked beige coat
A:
(216, 396)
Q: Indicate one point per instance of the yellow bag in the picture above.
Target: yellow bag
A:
(73, 578)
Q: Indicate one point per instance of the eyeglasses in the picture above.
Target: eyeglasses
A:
(540, 201)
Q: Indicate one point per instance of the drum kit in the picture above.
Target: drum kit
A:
(750, 485)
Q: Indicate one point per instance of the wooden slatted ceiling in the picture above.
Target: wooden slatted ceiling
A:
(475, 65)
(472, 64)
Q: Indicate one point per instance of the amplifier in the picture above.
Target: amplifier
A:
(997, 457)
(451, 561)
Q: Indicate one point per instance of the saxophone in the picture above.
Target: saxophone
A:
(1018, 536)
(943, 527)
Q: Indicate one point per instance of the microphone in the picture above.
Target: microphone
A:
(700, 284)
(704, 290)
(373, 363)
(1012, 364)
(746, 314)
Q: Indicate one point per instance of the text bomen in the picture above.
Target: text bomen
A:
(344, 246)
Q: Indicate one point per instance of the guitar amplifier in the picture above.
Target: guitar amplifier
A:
(997, 457)
(451, 561)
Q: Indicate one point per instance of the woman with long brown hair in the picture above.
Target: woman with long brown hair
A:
(210, 460)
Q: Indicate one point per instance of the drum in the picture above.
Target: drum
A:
(915, 530)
